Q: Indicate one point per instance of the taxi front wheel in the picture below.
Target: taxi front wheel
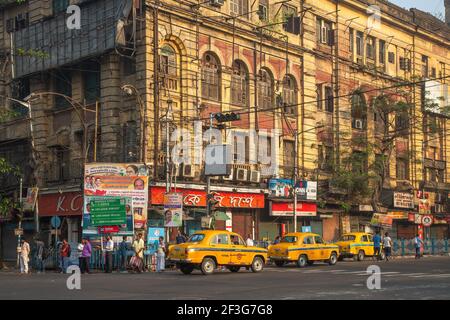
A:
(302, 261)
(208, 266)
(333, 259)
(257, 264)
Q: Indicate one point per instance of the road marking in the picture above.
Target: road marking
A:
(432, 276)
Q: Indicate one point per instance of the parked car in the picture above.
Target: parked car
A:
(357, 245)
(206, 250)
(303, 249)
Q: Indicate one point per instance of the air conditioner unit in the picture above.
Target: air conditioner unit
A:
(217, 3)
(358, 124)
(241, 174)
(230, 177)
(188, 171)
(255, 176)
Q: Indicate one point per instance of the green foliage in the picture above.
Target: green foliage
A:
(6, 204)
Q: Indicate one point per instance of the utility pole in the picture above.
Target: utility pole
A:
(156, 84)
(19, 238)
(169, 112)
(295, 178)
(208, 178)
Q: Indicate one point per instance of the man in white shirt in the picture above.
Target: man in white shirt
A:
(249, 241)
(109, 249)
(24, 256)
(387, 245)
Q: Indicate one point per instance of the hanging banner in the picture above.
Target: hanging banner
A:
(173, 209)
(120, 180)
(30, 201)
(381, 220)
(153, 239)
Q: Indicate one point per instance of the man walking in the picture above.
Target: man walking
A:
(65, 253)
(24, 256)
(123, 249)
(249, 241)
(418, 243)
(86, 256)
(109, 248)
(387, 245)
(377, 246)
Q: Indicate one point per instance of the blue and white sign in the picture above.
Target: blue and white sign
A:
(306, 190)
(153, 239)
(307, 229)
(56, 222)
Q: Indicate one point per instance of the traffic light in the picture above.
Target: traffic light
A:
(212, 201)
(227, 117)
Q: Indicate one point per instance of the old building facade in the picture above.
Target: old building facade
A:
(351, 79)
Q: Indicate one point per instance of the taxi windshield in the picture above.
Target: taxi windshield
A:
(196, 237)
(289, 239)
(348, 238)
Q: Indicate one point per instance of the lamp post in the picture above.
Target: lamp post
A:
(130, 90)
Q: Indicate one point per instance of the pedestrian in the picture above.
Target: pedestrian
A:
(277, 240)
(24, 256)
(180, 238)
(377, 246)
(137, 261)
(123, 249)
(39, 255)
(86, 256)
(109, 249)
(65, 253)
(249, 241)
(418, 242)
(387, 245)
(161, 255)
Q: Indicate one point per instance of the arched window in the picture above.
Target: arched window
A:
(211, 77)
(239, 84)
(290, 94)
(359, 111)
(265, 90)
(168, 68)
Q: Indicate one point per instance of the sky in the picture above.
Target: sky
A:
(431, 6)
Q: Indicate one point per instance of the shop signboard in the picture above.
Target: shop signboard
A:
(120, 180)
(281, 188)
(304, 209)
(403, 200)
(306, 190)
(173, 209)
(400, 215)
(381, 220)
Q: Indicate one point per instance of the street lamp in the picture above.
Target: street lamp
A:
(130, 90)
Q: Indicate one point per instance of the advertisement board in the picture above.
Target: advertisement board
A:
(120, 180)
(108, 211)
(173, 209)
(153, 239)
(381, 220)
(403, 200)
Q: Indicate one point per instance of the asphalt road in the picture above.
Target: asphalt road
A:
(428, 278)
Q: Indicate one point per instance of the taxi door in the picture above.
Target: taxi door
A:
(310, 247)
(239, 255)
(368, 244)
(220, 246)
(322, 253)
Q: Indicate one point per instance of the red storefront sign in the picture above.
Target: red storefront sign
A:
(112, 229)
(61, 204)
(304, 209)
(197, 198)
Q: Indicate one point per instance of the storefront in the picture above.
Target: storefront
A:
(239, 211)
(68, 207)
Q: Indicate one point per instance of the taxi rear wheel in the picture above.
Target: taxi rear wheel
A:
(208, 266)
(361, 255)
(257, 264)
(333, 259)
(187, 269)
(302, 261)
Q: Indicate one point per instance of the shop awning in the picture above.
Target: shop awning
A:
(222, 216)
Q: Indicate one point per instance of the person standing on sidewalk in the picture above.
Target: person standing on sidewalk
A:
(39, 256)
(86, 256)
(377, 246)
(137, 262)
(387, 245)
(24, 256)
(418, 243)
(161, 255)
(249, 241)
(123, 249)
(180, 238)
(109, 248)
(65, 253)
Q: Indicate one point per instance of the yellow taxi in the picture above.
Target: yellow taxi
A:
(356, 245)
(303, 248)
(208, 249)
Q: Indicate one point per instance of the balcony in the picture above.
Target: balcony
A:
(436, 164)
(65, 173)
(50, 44)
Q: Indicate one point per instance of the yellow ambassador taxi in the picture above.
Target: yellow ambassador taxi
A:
(356, 245)
(303, 248)
(208, 249)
